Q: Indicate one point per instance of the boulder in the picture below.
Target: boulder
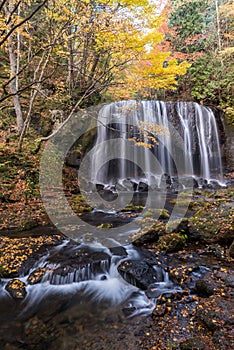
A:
(77, 263)
(119, 251)
(142, 187)
(37, 275)
(16, 288)
(140, 273)
(171, 242)
(204, 287)
(108, 194)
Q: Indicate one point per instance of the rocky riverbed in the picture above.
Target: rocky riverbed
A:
(194, 263)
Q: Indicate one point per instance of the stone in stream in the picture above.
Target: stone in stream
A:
(108, 194)
(16, 288)
(37, 275)
(119, 251)
(85, 268)
(140, 273)
(142, 187)
(76, 263)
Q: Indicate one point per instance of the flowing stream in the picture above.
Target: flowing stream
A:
(93, 278)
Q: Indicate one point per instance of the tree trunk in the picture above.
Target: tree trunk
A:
(70, 64)
(14, 82)
(218, 25)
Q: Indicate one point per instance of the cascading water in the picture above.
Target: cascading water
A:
(188, 145)
(90, 274)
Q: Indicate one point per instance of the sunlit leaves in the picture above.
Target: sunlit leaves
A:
(148, 133)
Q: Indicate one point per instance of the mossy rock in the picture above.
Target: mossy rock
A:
(133, 208)
(149, 232)
(79, 199)
(156, 213)
(105, 226)
(178, 226)
(171, 242)
(85, 209)
(28, 224)
(214, 224)
(79, 204)
(187, 203)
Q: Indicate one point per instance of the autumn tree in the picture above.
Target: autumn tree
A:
(65, 54)
(14, 18)
(155, 68)
(202, 32)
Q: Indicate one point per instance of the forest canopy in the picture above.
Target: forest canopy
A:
(63, 55)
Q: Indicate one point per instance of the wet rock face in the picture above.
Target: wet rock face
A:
(140, 273)
(16, 288)
(73, 158)
(229, 148)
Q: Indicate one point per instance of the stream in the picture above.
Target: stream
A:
(85, 294)
(81, 295)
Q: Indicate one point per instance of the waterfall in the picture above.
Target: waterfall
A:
(187, 146)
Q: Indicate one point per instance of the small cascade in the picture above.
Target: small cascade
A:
(188, 145)
(92, 273)
(65, 275)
